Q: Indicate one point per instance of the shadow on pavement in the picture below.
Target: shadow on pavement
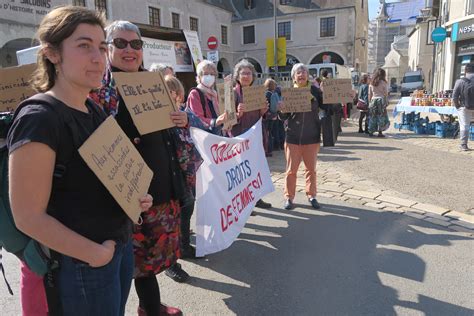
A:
(326, 262)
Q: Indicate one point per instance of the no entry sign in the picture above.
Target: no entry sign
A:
(212, 42)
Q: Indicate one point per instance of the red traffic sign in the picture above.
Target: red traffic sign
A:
(212, 42)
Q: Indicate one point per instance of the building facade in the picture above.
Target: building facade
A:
(451, 56)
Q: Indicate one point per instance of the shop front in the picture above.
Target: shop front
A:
(462, 35)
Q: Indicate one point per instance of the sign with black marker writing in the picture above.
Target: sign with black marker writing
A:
(296, 100)
(254, 98)
(227, 102)
(337, 91)
(118, 165)
(147, 99)
(14, 86)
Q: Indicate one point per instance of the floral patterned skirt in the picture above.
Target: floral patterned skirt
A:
(156, 240)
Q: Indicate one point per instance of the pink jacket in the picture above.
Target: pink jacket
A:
(195, 105)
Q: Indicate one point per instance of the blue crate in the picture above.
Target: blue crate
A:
(430, 128)
(419, 129)
(397, 125)
(441, 129)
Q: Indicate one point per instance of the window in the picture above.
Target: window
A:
(101, 5)
(284, 30)
(79, 3)
(249, 34)
(224, 35)
(327, 27)
(249, 4)
(154, 16)
(284, 2)
(175, 20)
(362, 4)
(193, 24)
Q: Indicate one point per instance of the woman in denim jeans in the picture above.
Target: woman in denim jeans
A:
(74, 215)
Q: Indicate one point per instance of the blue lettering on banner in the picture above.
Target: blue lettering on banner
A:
(238, 174)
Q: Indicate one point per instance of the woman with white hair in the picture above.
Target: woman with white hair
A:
(303, 135)
(203, 100)
(244, 75)
(165, 70)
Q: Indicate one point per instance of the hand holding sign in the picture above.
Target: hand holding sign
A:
(147, 98)
(118, 165)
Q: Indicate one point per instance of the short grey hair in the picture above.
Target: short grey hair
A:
(297, 67)
(202, 66)
(158, 67)
(116, 26)
(244, 63)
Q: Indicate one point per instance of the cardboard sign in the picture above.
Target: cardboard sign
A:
(296, 100)
(194, 45)
(118, 165)
(227, 102)
(147, 99)
(337, 91)
(14, 86)
(254, 98)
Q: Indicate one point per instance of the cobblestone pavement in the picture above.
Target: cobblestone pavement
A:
(342, 184)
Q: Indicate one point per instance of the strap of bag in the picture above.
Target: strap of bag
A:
(3, 272)
(203, 99)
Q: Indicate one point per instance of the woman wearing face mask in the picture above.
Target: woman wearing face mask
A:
(244, 75)
(203, 100)
(156, 240)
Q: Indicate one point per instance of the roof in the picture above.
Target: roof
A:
(404, 13)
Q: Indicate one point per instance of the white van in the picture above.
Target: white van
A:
(412, 80)
(334, 70)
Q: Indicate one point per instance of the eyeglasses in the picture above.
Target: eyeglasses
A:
(245, 73)
(121, 43)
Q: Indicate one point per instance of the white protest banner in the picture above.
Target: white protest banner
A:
(14, 86)
(337, 91)
(192, 39)
(118, 165)
(232, 178)
(174, 54)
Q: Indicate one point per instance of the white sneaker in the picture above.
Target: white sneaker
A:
(464, 147)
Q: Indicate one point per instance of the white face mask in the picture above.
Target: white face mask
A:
(208, 80)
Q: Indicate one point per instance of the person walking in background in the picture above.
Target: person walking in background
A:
(271, 117)
(156, 241)
(244, 75)
(463, 100)
(63, 205)
(303, 137)
(363, 96)
(378, 94)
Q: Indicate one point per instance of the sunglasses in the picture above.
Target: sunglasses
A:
(121, 43)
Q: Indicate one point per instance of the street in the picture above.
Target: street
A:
(358, 255)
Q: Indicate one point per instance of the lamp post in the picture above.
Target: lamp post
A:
(275, 39)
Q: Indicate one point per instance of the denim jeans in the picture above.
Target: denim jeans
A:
(465, 117)
(96, 291)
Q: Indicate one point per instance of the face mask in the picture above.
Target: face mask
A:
(208, 80)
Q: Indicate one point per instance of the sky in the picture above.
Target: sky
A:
(373, 6)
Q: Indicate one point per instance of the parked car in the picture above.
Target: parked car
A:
(412, 80)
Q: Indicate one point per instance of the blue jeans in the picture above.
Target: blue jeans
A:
(101, 291)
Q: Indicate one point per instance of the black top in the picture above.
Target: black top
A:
(78, 200)
(159, 152)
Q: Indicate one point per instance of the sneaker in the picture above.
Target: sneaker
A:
(177, 274)
(261, 204)
(168, 310)
(464, 147)
(288, 205)
(314, 203)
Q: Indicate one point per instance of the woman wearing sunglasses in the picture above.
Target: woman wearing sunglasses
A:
(156, 240)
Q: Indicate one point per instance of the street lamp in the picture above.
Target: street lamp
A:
(362, 40)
